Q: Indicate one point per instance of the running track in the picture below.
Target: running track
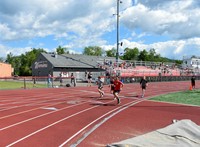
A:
(76, 117)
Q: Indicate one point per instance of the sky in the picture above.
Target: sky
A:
(171, 27)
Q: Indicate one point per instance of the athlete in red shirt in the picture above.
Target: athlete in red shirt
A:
(117, 88)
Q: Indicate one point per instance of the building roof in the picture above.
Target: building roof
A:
(76, 60)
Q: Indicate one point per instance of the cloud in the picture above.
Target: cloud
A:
(170, 49)
(171, 18)
(77, 24)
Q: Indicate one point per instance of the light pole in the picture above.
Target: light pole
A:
(117, 53)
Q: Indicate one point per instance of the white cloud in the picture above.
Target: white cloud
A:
(170, 49)
(173, 18)
(77, 24)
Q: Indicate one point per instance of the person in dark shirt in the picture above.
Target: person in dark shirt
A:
(89, 79)
(193, 82)
(143, 84)
(99, 82)
(112, 87)
(73, 80)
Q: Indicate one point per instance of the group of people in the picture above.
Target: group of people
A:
(116, 86)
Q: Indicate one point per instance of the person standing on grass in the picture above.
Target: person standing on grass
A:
(118, 85)
(143, 84)
(193, 82)
(100, 86)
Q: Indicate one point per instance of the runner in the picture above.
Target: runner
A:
(117, 88)
(100, 86)
(112, 87)
(143, 84)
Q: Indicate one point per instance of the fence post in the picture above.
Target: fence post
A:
(24, 83)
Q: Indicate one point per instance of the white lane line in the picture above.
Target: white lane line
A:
(50, 108)
(121, 108)
(50, 125)
(30, 102)
(23, 99)
(34, 104)
(24, 121)
(30, 109)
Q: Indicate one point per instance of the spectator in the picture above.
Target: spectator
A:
(49, 80)
(61, 79)
(89, 79)
(73, 80)
(193, 82)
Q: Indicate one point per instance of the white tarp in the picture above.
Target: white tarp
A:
(183, 133)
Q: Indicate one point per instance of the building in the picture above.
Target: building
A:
(191, 65)
(191, 62)
(69, 63)
(6, 70)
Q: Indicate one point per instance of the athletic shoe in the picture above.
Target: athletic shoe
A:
(118, 101)
(102, 94)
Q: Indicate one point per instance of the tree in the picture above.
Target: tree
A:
(151, 55)
(14, 61)
(62, 50)
(143, 55)
(131, 54)
(111, 53)
(93, 51)
(22, 64)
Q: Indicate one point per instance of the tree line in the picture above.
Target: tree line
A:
(22, 63)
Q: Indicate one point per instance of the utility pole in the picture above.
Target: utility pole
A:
(117, 53)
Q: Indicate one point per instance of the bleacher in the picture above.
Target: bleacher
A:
(145, 69)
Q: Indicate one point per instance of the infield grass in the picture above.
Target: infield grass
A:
(184, 97)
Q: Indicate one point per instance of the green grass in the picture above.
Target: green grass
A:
(19, 84)
(185, 97)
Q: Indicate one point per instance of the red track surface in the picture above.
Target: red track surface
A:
(75, 116)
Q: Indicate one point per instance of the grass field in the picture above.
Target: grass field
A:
(19, 84)
(185, 97)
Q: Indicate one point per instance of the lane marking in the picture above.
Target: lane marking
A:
(45, 98)
(85, 135)
(50, 108)
(28, 110)
(38, 117)
(25, 137)
(34, 108)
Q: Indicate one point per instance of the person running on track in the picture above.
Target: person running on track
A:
(118, 85)
(100, 87)
(112, 87)
(143, 84)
